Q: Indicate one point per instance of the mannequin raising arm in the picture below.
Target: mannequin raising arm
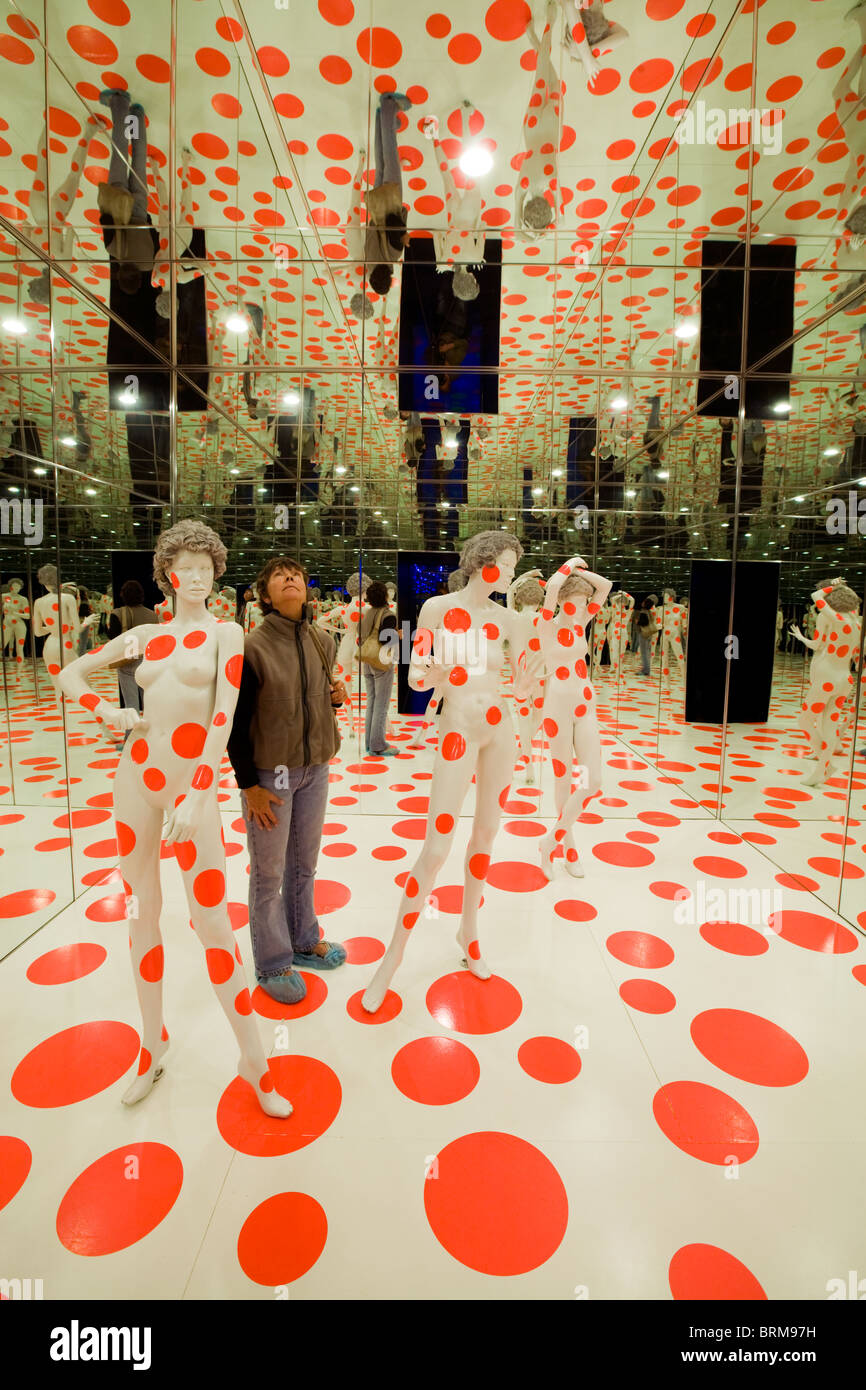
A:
(73, 678)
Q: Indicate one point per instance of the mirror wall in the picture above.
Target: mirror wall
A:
(669, 373)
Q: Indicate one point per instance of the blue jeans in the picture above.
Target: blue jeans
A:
(283, 867)
(379, 685)
(644, 645)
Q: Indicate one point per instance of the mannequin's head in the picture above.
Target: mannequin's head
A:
(14, 586)
(189, 557)
(457, 581)
(495, 554)
(575, 586)
(47, 576)
(842, 599)
(527, 593)
(356, 584)
(669, 595)
(537, 213)
(392, 590)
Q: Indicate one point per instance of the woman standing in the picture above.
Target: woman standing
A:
(379, 680)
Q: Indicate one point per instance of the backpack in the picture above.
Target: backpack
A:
(371, 649)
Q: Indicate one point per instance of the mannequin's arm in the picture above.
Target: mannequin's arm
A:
(73, 678)
(807, 642)
(425, 671)
(601, 587)
(185, 817)
(39, 628)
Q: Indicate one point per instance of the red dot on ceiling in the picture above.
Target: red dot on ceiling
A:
(464, 48)
(91, 44)
(274, 61)
(478, 1177)
(335, 146)
(438, 25)
(335, 69)
(213, 61)
(707, 1273)
(651, 75)
(282, 1238)
(379, 47)
(507, 19)
(229, 29)
(14, 51)
(337, 11)
(291, 107)
(153, 68)
(226, 105)
(209, 146)
(96, 1216)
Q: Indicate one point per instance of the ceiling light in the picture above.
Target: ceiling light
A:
(782, 407)
(798, 499)
(237, 323)
(557, 472)
(17, 327)
(91, 491)
(630, 493)
(40, 472)
(685, 330)
(291, 398)
(13, 489)
(339, 468)
(476, 161)
(68, 441)
(126, 398)
(663, 473)
(831, 453)
(861, 482)
(619, 403)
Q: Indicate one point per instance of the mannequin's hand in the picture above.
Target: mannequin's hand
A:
(796, 631)
(181, 822)
(120, 719)
(90, 620)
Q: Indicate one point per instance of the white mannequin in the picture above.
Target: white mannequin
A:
(253, 614)
(16, 610)
(673, 625)
(56, 618)
(621, 605)
(349, 614)
(599, 637)
(475, 736)
(780, 623)
(570, 707)
(164, 610)
(836, 645)
(525, 597)
(170, 767)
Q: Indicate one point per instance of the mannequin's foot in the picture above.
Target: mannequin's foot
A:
(546, 849)
(472, 957)
(150, 1069)
(374, 995)
(268, 1096)
(816, 777)
(573, 865)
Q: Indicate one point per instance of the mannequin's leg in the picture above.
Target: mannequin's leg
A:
(139, 827)
(492, 783)
(586, 749)
(451, 779)
(202, 862)
(557, 725)
(826, 732)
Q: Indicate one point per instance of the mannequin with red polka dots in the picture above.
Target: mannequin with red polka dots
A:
(572, 599)
(599, 637)
(618, 623)
(55, 617)
(169, 767)
(525, 597)
(536, 189)
(16, 611)
(836, 645)
(458, 652)
(673, 630)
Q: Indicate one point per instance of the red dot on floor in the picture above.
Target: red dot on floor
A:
(435, 1071)
(476, 1178)
(268, 1007)
(516, 876)
(282, 1238)
(466, 1004)
(735, 938)
(66, 963)
(25, 901)
(388, 852)
(718, 867)
(98, 1214)
(448, 897)
(812, 931)
(15, 1161)
(573, 910)
(623, 853)
(362, 950)
(328, 895)
(549, 1059)
(705, 1272)
(74, 1064)
(705, 1123)
(749, 1047)
(410, 829)
(648, 996)
(314, 1092)
(640, 948)
(662, 888)
(387, 1010)
(109, 909)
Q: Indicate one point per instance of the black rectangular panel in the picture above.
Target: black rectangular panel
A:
(753, 651)
(770, 322)
(420, 575)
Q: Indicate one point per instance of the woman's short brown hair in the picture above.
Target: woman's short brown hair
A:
(279, 562)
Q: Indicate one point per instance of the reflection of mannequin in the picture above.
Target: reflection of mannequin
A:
(475, 736)
(230, 604)
(16, 610)
(536, 189)
(780, 623)
(164, 610)
(656, 620)
(170, 767)
(346, 666)
(836, 644)
(570, 716)
(525, 597)
(621, 605)
(599, 637)
(56, 618)
(673, 621)
(252, 613)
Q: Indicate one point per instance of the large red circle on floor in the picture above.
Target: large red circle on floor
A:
(362, 950)
(328, 895)
(496, 1203)
(282, 1238)
(15, 1161)
(735, 938)
(812, 931)
(705, 1123)
(435, 1071)
(315, 1094)
(648, 996)
(119, 1199)
(74, 1064)
(26, 900)
(705, 1273)
(749, 1047)
(575, 910)
(549, 1059)
(66, 963)
(111, 908)
(389, 1008)
(516, 876)
(624, 854)
(268, 1007)
(640, 948)
(465, 1004)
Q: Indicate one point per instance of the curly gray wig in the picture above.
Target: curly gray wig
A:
(575, 585)
(456, 581)
(843, 599)
(527, 592)
(186, 535)
(47, 575)
(484, 549)
(357, 584)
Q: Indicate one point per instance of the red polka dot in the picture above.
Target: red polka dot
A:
(388, 852)
(444, 823)
(25, 901)
(220, 965)
(363, 950)
(435, 1071)
(337, 11)
(507, 19)
(188, 740)
(549, 1059)
(812, 932)
(185, 854)
(457, 620)
(640, 948)
(159, 647)
(229, 29)
(273, 60)
(125, 839)
(96, 1216)
(152, 964)
(379, 47)
(734, 938)
(282, 1238)
(453, 746)
(648, 996)
(749, 1047)
(234, 667)
(209, 887)
(718, 867)
(464, 1004)
(675, 892)
(464, 48)
(705, 1123)
(67, 963)
(213, 61)
(707, 1273)
(139, 750)
(91, 45)
(317, 993)
(480, 1176)
(15, 1161)
(516, 876)
(623, 854)
(573, 910)
(652, 75)
(154, 779)
(329, 896)
(315, 1094)
(335, 69)
(74, 1064)
(153, 68)
(390, 1007)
